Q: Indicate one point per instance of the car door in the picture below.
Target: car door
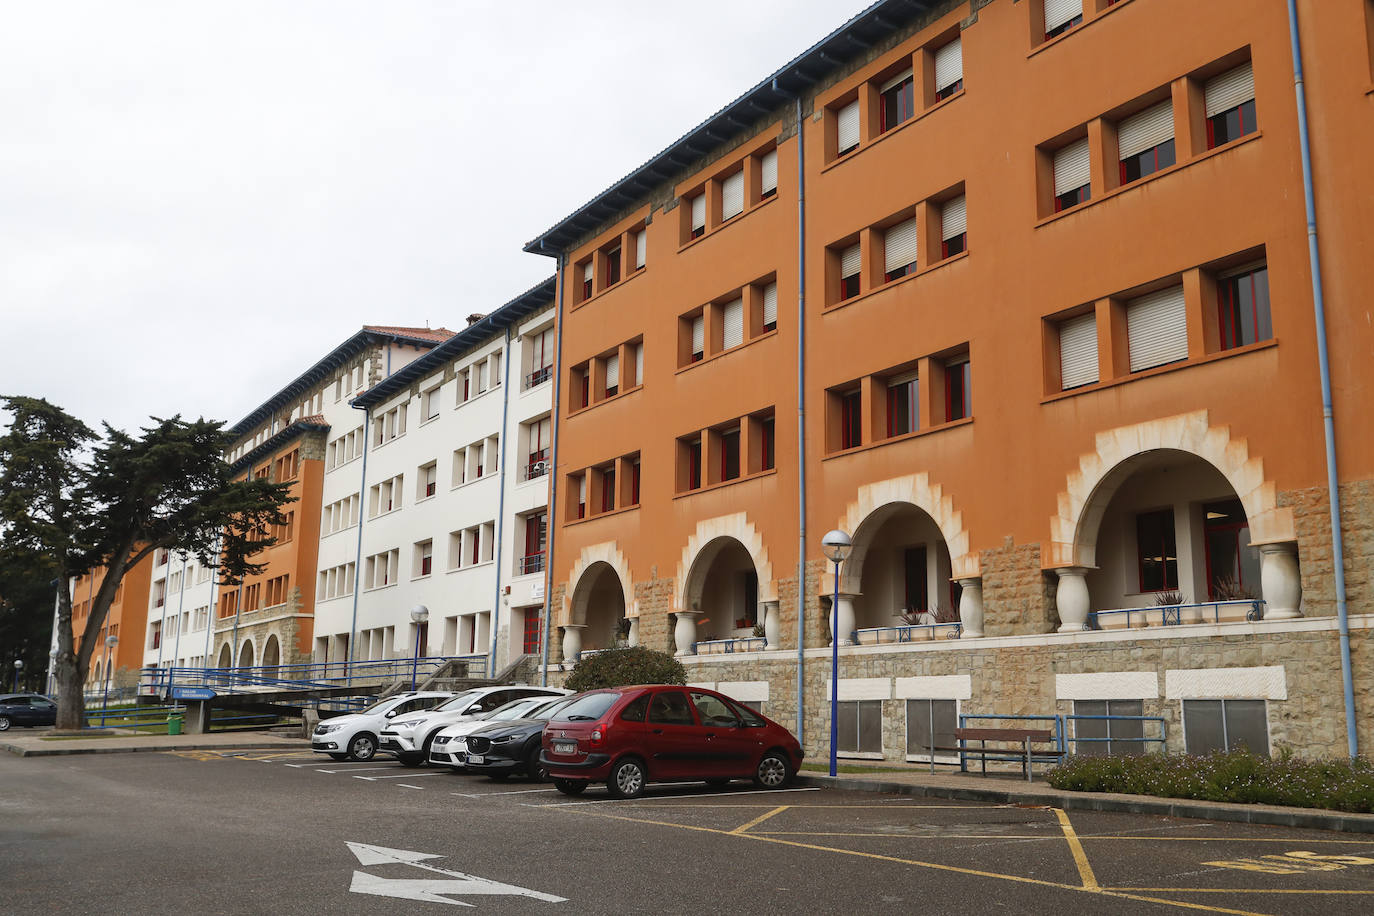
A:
(19, 710)
(731, 746)
(44, 711)
(675, 742)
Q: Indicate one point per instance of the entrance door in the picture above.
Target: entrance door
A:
(1233, 566)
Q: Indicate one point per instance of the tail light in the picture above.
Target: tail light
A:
(598, 735)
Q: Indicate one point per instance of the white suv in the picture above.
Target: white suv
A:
(408, 738)
(355, 735)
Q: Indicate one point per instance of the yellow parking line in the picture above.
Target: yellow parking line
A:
(908, 837)
(760, 819)
(1236, 890)
(1080, 858)
(1300, 841)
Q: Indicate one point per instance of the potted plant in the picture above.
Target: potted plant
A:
(622, 632)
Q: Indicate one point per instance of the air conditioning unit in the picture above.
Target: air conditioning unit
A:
(539, 467)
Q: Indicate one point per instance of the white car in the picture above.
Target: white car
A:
(408, 738)
(355, 735)
(448, 749)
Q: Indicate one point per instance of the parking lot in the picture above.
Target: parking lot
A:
(295, 832)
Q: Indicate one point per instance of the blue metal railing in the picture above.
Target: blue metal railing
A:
(731, 646)
(132, 716)
(1162, 740)
(260, 678)
(1173, 615)
(908, 632)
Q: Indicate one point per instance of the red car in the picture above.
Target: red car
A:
(630, 736)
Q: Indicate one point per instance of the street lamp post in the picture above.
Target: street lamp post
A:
(18, 667)
(52, 673)
(419, 614)
(110, 642)
(836, 546)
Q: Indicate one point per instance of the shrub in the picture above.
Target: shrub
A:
(1227, 776)
(619, 667)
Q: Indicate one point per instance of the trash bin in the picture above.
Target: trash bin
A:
(174, 724)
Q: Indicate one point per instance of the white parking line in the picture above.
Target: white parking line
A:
(404, 786)
(661, 798)
(491, 794)
(399, 776)
(352, 770)
(352, 764)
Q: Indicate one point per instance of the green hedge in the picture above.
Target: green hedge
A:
(1237, 776)
(621, 667)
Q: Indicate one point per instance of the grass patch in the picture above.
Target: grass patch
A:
(1339, 784)
(851, 768)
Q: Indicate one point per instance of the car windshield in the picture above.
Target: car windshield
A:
(586, 708)
(548, 709)
(380, 705)
(512, 710)
(457, 702)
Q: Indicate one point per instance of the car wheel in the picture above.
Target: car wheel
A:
(4, 723)
(362, 747)
(339, 756)
(534, 770)
(627, 778)
(570, 786)
(773, 771)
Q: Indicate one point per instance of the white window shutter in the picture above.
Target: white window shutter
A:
(639, 364)
(699, 334)
(1078, 351)
(1230, 90)
(1058, 12)
(640, 245)
(949, 64)
(1071, 167)
(899, 247)
(733, 321)
(589, 269)
(699, 212)
(953, 218)
(1157, 328)
(1146, 130)
(768, 167)
(613, 370)
(849, 261)
(770, 304)
(582, 489)
(896, 80)
(847, 126)
(732, 196)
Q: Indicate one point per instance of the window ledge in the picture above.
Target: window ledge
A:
(480, 394)
(342, 464)
(331, 533)
(732, 221)
(1127, 188)
(637, 272)
(421, 578)
(904, 437)
(458, 569)
(1087, 21)
(427, 420)
(892, 284)
(467, 483)
(591, 518)
(387, 442)
(425, 499)
(720, 485)
(595, 404)
(840, 160)
(384, 514)
(378, 588)
(1161, 370)
(735, 349)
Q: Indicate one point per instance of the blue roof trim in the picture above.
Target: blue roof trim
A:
(272, 443)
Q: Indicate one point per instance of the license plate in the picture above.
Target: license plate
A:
(476, 758)
(564, 747)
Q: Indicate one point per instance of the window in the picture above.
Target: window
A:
(541, 358)
(953, 230)
(851, 412)
(850, 262)
(899, 253)
(634, 482)
(537, 459)
(699, 215)
(1243, 308)
(732, 323)
(698, 331)
(431, 403)
(640, 240)
(424, 556)
(729, 453)
(612, 375)
(588, 277)
(531, 644)
(1108, 736)
(1061, 15)
(916, 593)
(1078, 351)
(429, 480)
(1072, 173)
(768, 174)
(847, 128)
(1145, 142)
(859, 727)
(930, 726)
(732, 196)
(536, 531)
(581, 495)
(958, 390)
(1233, 566)
(693, 457)
(903, 405)
(1230, 105)
(770, 307)
(277, 590)
(284, 532)
(608, 489)
(613, 266)
(1157, 329)
(767, 444)
(1217, 725)
(1156, 550)
(949, 69)
(896, 100)
(154, 642)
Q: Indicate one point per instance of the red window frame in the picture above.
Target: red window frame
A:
(729, 446)
(613, 266)
(694, 465)
(953, 245)
(608, 490)
(1156, 154)
(851, 419)
(1061, 29)
(476, 546)
(1165, 546)
(904, 96)
(767, 443)
(533, 626)
(634, 484)
(942, 94)
(1228, 307)
(1245, 125)
(1073, 198)
(912, 412)
(958, 391)
(426, 564)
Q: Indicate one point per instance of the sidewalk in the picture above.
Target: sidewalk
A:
(35, 744)
(1014, 790)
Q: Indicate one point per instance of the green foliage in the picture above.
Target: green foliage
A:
(620, 667)
(1340, 784)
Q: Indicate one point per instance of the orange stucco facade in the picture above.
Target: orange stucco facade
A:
(126, 621)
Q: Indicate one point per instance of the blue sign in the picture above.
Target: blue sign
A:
(192, 693)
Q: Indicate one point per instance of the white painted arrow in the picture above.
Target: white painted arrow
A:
(432, 890)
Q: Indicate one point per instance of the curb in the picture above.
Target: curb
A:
(1311, 818)
(18, 751)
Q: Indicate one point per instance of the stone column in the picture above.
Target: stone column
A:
(572, 642)
(845, 622)
(685, 632)
(971, 608)
(634, 631)
(1071, 598)
(772, 624)
(1280, 581)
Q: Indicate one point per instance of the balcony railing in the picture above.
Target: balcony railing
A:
(532, 564)
(1175, 615)
(538, 377)
(534, 470)
(731, 646)
(914, 632)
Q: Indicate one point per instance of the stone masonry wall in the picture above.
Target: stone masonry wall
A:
(1312, 516)
(1018, 597)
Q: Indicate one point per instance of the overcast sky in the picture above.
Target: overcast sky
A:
(199, 199)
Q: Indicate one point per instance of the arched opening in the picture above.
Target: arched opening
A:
(599, 606)
(901, 565)
(724, 586)
(226, 657)
(271, 653)
(246, 654)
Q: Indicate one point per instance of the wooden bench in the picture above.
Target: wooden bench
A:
(1023, 738)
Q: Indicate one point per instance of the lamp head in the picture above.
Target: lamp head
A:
(111, 641)
(419, 613)
(836, 545)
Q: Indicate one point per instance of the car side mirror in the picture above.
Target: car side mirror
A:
(390, 714)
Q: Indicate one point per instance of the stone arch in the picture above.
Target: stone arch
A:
(606, 552)
(701, 547)
(226, 657)
(877, 501)
(271, 653)
(246, 653)
(1101, 472)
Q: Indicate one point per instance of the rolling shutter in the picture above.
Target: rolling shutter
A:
(613, 370)
(699, 212)
(1071, 168)
(640, 245)
(732, 196)
(733, 324)
(849, 261)
(1058, 12)
(899, 248)
(949, 65)
(1157, 328)
(847, 126)
(639, 364)
(953, 219)
(1078, 351)
(770, 304)
(768, 167)
(589, 269)
(896, 80)
(699, 334)
(1146, 130)
(1230, 90)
